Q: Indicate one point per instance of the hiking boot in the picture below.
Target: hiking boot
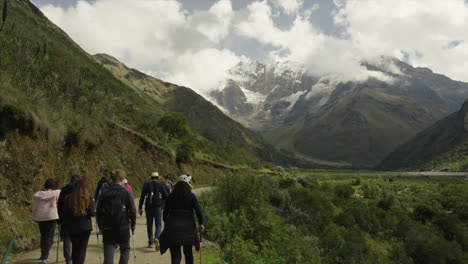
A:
(156, 245)
(150, 245)
(44, 261)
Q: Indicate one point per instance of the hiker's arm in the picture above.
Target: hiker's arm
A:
(98, 215)
(131, 210)
(91, 210)
(196, 206)
(142, 196)
(167, 207)
(60, 205)
(164, 191)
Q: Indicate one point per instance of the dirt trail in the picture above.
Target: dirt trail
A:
(143, 255)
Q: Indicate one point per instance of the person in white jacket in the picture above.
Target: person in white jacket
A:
(44, 212)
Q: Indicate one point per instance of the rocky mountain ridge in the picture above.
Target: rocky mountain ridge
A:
(317, 115)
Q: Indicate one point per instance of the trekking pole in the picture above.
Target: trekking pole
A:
(58, 243)
(201, 247)
(99, 248)
(134, 252)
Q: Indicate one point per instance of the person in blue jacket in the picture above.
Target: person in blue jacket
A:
(153, 195)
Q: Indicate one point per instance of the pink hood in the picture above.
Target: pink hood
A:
(45, 205)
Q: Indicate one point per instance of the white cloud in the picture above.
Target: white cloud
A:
(158, 37)
(304, 43)
(163, 38)
(421, 29)
(432, 32)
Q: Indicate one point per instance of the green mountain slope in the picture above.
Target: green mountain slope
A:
(62, 112)
(443, 146)
(202, 116)
(361, 127)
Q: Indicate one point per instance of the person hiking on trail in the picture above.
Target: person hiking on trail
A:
(76, 217)
(128, 186)
(45, 213)
(103, 183)
(215, 181)
(116, 215)
(60, 205)
(180, 229)
(168, 182)
(152, 196)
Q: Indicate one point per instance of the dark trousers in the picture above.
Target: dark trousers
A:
(176, 255)
(47, 229)
(79, 243)
(111, 239)
(66, 244)
(153, 215)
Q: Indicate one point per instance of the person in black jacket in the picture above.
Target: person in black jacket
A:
(77, 212)
(115, 230)
(66, 190)
(180, 229)
(153, 195)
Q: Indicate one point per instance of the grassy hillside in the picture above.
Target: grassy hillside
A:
(202, 116)
(360, 128)
(443, 146)
(62, 112)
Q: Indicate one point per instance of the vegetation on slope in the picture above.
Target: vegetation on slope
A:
(443, 146)
(327, 219)
(360, 128)
(62, 112)
(203, 117)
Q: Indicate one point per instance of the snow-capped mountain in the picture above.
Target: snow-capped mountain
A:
(260, 96)
(331, 118)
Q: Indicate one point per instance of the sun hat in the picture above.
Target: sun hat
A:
(186, 179)
(155, 175)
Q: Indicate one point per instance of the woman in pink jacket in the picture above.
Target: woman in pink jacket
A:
(44, 212)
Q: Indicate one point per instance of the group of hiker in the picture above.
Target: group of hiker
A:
(74, 206)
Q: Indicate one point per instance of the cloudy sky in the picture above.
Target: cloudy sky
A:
(194, 42)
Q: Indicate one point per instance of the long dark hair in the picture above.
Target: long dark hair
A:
(79, 198)
(181, 189)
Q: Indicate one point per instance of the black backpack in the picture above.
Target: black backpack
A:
(153, 197)
(111, 208)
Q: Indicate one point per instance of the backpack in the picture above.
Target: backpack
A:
(111, 208)
(153, 197)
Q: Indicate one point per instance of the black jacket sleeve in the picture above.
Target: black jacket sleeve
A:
(196, 206)
(131, 210)
(91, 211)
(144, 191)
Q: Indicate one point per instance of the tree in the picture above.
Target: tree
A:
(4, 14)
(175, 125)
(185, 152)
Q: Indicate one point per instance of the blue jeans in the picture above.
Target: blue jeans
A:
(153, 215)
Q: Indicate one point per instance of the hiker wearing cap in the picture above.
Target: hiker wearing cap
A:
(78, 208)
(116, 215)
(152, 196)
(180, 229)
(60, 205)
(45, 213)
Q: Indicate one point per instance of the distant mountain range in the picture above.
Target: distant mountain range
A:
(324, 117)
(443, 146)
(201, 115)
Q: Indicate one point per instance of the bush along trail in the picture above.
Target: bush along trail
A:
(336, 219)
(94, 253)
